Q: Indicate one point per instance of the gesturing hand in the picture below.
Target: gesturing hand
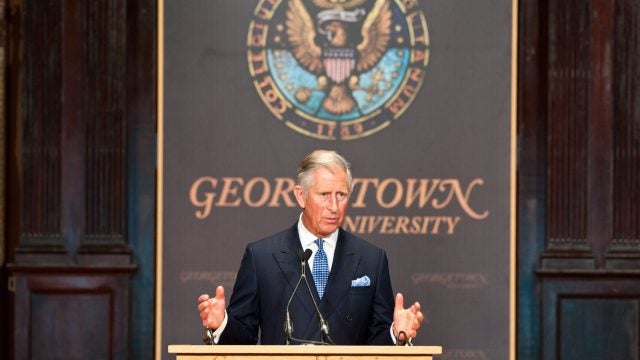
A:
(212, 309)
(406, 320)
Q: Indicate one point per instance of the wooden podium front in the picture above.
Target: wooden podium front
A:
(302, 352)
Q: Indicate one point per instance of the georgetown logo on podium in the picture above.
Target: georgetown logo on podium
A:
(337, 69)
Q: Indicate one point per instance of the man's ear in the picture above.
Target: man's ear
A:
(300, 195)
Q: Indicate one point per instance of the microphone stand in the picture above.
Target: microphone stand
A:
(288, 323)
(324, 325)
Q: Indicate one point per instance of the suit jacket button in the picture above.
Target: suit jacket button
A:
(349, 318)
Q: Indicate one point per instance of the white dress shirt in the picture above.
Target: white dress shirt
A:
(308, 241)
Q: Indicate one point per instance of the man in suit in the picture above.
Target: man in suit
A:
(350, 276)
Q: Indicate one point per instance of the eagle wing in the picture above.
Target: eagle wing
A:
(301, 33)
(376, 32)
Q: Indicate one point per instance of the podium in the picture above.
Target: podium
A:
(302, 352)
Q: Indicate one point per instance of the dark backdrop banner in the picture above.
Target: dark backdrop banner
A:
(416, 95)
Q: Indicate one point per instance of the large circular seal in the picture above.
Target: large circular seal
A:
(337, 69)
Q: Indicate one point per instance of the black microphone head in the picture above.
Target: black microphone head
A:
(300, 255)
(304, 255)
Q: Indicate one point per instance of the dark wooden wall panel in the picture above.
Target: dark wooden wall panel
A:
(81, 328)
(579, 180)
(531, 184)
(591, 318)
(141, 170)
(618, 320)
(70, 314)
(5, 164)
(41, 124)
(73, 263)
(568, 116)
(105, 36)
(626, 128)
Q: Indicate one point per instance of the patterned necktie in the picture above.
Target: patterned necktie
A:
(320, 269)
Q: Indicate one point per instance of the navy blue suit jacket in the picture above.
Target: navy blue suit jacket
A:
(268, 274)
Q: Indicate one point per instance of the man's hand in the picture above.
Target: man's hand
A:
(406, 320)
(212, 309)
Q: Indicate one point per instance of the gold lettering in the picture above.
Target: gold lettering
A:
(325, 129)
(351, 225)
(283, 189)
(257, 56)
(266, 190)
(425, 224)
(408, 90)
(381, 189)
(416, 20)
(397, 225)
(364, 184)
(386, 224)
(424, 194)
(397, 105)
(435, 229)
(416, 73)
(259, 70)
(373, 223)
(419, 55)
(415, 225)
(276, 102)
(452, 222)
(267, 9)
(463, 199)
(344, 130)
(207, 204)
(437, 194)
(258, 33)
(401, 225)
(228, 188)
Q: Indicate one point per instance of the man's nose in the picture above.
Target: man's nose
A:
(333, 203)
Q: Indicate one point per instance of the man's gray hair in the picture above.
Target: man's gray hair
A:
(317, 159)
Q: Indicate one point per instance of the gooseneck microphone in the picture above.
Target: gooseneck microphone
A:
(324, 325)
(303, 256)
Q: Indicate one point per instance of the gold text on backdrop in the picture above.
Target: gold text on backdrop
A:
(434, 195)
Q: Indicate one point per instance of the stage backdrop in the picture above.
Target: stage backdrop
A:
(417, 95)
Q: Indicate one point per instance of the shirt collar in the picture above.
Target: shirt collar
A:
(307, 238)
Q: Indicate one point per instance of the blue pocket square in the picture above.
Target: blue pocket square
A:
(361, 282)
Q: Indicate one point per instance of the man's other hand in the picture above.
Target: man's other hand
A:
(212, 309)
(406, 320)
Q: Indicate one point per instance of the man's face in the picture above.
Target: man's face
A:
(325, 203)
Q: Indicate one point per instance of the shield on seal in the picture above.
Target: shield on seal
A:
(339, 63)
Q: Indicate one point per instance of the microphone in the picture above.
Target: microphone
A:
(324, 325)
(303, 256)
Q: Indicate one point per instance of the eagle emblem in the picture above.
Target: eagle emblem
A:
(339, 49)
(336, 68)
